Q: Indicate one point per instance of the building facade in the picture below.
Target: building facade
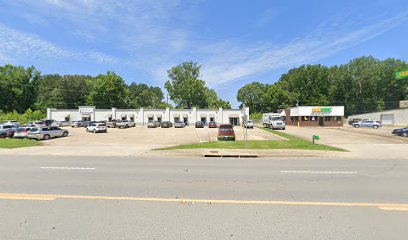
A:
(397, 117)
(314, 116)
(143, 116)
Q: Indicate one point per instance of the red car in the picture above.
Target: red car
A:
(212, 124)
(226, 133)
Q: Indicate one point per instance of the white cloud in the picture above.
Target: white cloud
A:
(16, 45)
(231, 61)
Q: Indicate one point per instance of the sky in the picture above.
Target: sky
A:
(235, 42)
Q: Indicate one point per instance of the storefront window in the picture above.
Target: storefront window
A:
(305, 118)
(314, 118)
(335, 118)
(327, 118)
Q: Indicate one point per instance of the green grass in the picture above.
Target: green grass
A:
(292, 142)
(17, 143)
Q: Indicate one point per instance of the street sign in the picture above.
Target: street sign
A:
(402, 74)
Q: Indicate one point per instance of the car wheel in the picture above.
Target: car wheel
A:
(46, 137)
(375, 126)
(94, 131)
(356, 126)
(65, 134)
(405, 134)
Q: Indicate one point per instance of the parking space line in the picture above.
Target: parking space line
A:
(319, 172)
(68, 168)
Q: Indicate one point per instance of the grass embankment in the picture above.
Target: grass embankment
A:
(292, 142)
(17, 143)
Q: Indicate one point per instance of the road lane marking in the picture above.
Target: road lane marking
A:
(68, 168)
(26, 197)
(319, 172)
(382, 206)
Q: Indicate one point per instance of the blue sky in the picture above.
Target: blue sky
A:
(236, 42)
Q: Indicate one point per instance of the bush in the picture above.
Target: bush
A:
(28, 116)
(255, 116)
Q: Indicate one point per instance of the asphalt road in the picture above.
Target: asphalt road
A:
(197, 198)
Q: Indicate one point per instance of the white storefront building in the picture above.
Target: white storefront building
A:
(143, 116)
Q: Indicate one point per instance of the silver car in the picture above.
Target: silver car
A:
(179, 124)
(21, 132)
(153, 124)
(46, 133)
(367, 123)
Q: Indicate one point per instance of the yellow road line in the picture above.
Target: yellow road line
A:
(383, 206)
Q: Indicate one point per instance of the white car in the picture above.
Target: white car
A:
(97, 127)
(11, 122)
(249, 124)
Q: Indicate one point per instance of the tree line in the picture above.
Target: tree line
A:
(363, 85)
(23, 89)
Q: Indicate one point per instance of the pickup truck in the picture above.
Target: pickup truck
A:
(249, 124)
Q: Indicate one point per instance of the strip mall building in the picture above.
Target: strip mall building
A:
(143, 116)
(331, 116)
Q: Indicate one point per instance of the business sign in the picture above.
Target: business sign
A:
(401, 74)
(86, 110)
(404, 104)
(322, 110)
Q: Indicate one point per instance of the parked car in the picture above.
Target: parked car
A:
(199, 124)
(166, 124)
(132, 124)
(7, 130)
(179, 124)
(351, 121)
(153, 124)
(49, 122)
(212, 125)
(77, 124)
(401, 132)
(122, 124)
(249, 124)
(60, 124)
(21, 132)
(10, 122)
(97, 127)
(35, 124)
(367, 123)
(111, 123)
(226, 133)
(45, 133)
(87, 123)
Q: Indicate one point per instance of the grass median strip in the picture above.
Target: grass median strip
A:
(17, 143)
(292, 142)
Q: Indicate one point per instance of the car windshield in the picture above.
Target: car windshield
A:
(7, 126)
(276, 118)
(33, 129)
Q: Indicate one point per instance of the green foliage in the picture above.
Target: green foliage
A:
(187, 90)
(18, 87)
(141, 95)
(363, 85)
(27, 116)
(255, 116)
(17, 143)
(292, 142)
(107, 91)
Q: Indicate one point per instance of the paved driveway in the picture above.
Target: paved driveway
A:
(129, 142)
(362, 143)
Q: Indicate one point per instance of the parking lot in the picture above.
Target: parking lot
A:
(132, 141)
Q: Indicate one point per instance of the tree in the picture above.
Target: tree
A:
(251, 96)
(107, 91)
(142, 95)
(184, 86)
(18, 88)
(187, 90)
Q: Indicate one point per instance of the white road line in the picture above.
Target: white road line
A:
(68, 168)
(319, 172)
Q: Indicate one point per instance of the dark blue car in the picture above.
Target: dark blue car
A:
(401, 132)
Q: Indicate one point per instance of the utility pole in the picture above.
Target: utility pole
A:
(245, 128)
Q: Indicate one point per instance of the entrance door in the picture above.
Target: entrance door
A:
(86, 119)
(234, 121)
(159, 119)
(321, 121)
(176, 119)
(211, 119)
(204, 120)
(185, 120)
